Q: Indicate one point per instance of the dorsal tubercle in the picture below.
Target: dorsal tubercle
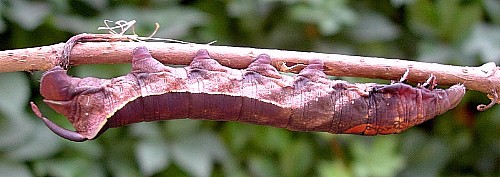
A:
(202, 60)
(313, 70)
(262, 65)
(202, 54)
(143, 62)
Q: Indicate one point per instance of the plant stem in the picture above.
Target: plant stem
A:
(483, 78)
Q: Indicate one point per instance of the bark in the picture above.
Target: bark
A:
(484, 78)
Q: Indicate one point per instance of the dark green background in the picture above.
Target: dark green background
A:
(462, 142)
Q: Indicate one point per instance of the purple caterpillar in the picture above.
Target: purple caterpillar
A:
(258, 94)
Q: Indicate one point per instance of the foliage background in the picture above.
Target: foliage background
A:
(462, 142)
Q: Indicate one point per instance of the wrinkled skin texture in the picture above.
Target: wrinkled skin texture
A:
(258, 95)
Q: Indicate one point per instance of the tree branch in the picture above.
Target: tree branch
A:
(484, 78)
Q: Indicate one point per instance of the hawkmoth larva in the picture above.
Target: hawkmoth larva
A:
(259, 95)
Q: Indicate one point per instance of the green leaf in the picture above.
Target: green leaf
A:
(430, 158)
(297, 159)
(464, 21)
(261, 166)
(434, 52)
(399, 3)
(241, 8)
(101, 71)
(15, 127)
(237, 135)
(373, 27)
(122, 166)
(146, 130)
(176, 21)
(43, 144)
(422, 18)
(485, 41)
(2, 23)
(89, 149)
(77, 24)
(37, 11)
(378, 159)
(456, 19)
(492, 7)
(152, 156)
(97, 4)
(333, 169)
(197, 154)
(272, 139)
(68, 167)
(182, 127)
(448, 21)
(330, 16)
(14, 92)
(412, 140)
(14, 169)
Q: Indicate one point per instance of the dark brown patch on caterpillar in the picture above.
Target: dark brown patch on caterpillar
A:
(257, 95)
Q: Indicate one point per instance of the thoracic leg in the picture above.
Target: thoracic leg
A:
(405, 76)
(430, 83)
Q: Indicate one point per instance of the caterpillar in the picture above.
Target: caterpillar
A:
(258, 94)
